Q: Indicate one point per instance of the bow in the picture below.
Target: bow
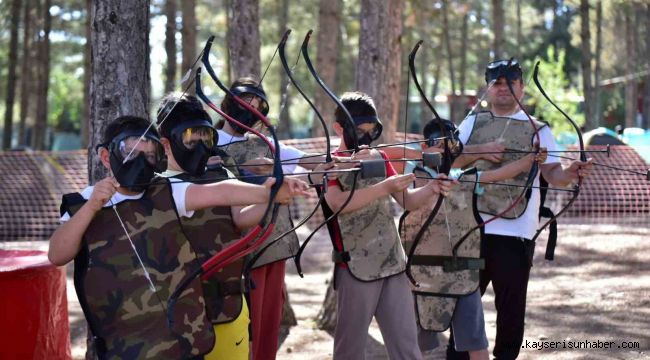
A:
(264, 228)
(351, 131)
(444, 168)
(583, 158)
(328, 155)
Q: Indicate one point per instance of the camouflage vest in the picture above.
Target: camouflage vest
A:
(288, 246)
(514, 134)
(431, 262)
(371, 246)
(127, 319)
(210, 231)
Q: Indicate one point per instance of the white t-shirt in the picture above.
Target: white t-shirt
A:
(286, 152)
(526, 225)
(178, 193)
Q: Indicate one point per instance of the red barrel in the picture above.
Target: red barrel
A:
(33, 307)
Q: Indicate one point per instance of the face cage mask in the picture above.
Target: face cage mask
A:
(193, 159)
(137, 171)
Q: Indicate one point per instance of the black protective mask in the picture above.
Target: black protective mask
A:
(243, 116)
(366, 139)
(135, 174)
(191, 161)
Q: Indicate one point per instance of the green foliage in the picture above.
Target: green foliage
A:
(65, 100)
(558, 87)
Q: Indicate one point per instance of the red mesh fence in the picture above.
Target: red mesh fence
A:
(33, 183)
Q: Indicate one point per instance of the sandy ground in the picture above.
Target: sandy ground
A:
(597, 289)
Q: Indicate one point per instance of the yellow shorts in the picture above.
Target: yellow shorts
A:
(232, 338)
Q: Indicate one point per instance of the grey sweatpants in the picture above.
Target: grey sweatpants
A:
(390, 301)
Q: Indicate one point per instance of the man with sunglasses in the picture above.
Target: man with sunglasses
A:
(130, 252)
(507, 248)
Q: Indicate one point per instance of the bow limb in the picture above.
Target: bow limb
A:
(272, 209)
(444, 168)
(583, 156)
(351, 128)
(328, 155)
(266, 224)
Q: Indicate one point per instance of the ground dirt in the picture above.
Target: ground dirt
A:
(597, 289)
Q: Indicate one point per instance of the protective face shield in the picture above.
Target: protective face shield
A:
(510, 69)
(133, 167)
(242, 114)
(437, 138)
(364, 137)
(192, 143)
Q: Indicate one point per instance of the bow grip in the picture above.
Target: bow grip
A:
(373, 169)
(432, 160)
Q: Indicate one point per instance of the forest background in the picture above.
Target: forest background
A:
(595, 58)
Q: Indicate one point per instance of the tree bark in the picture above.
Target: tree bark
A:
(497, 28)
(170, 45)
(520, 37)
(461, 104)
(326, 318)
(188, 32)
(380, 59)
(389, 102)
(453, 100)
(327, 50)
(26, 75)
(244, 39)
(119, 79)
(40, 122)
(597, 111)
(630, 57)
(85, 117)
(11, 75)
(585, 61)
(284, 128)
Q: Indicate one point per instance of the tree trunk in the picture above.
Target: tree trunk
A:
(244, 39)
(425, 113)
(119, 79)
(596, 110)
(26, 75)
(380, 58)
(630, 57)
(40, 123)
(498, 25)
(170, 45)
(284, 126)
(520, 36)
(326, 318)
(585, 49)
(389, 102)
(288, 315)
(85, 117)
(453, 100)
(226, 54)
(461, 105)
(327, 50)
(188, 32)
(11, 75)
